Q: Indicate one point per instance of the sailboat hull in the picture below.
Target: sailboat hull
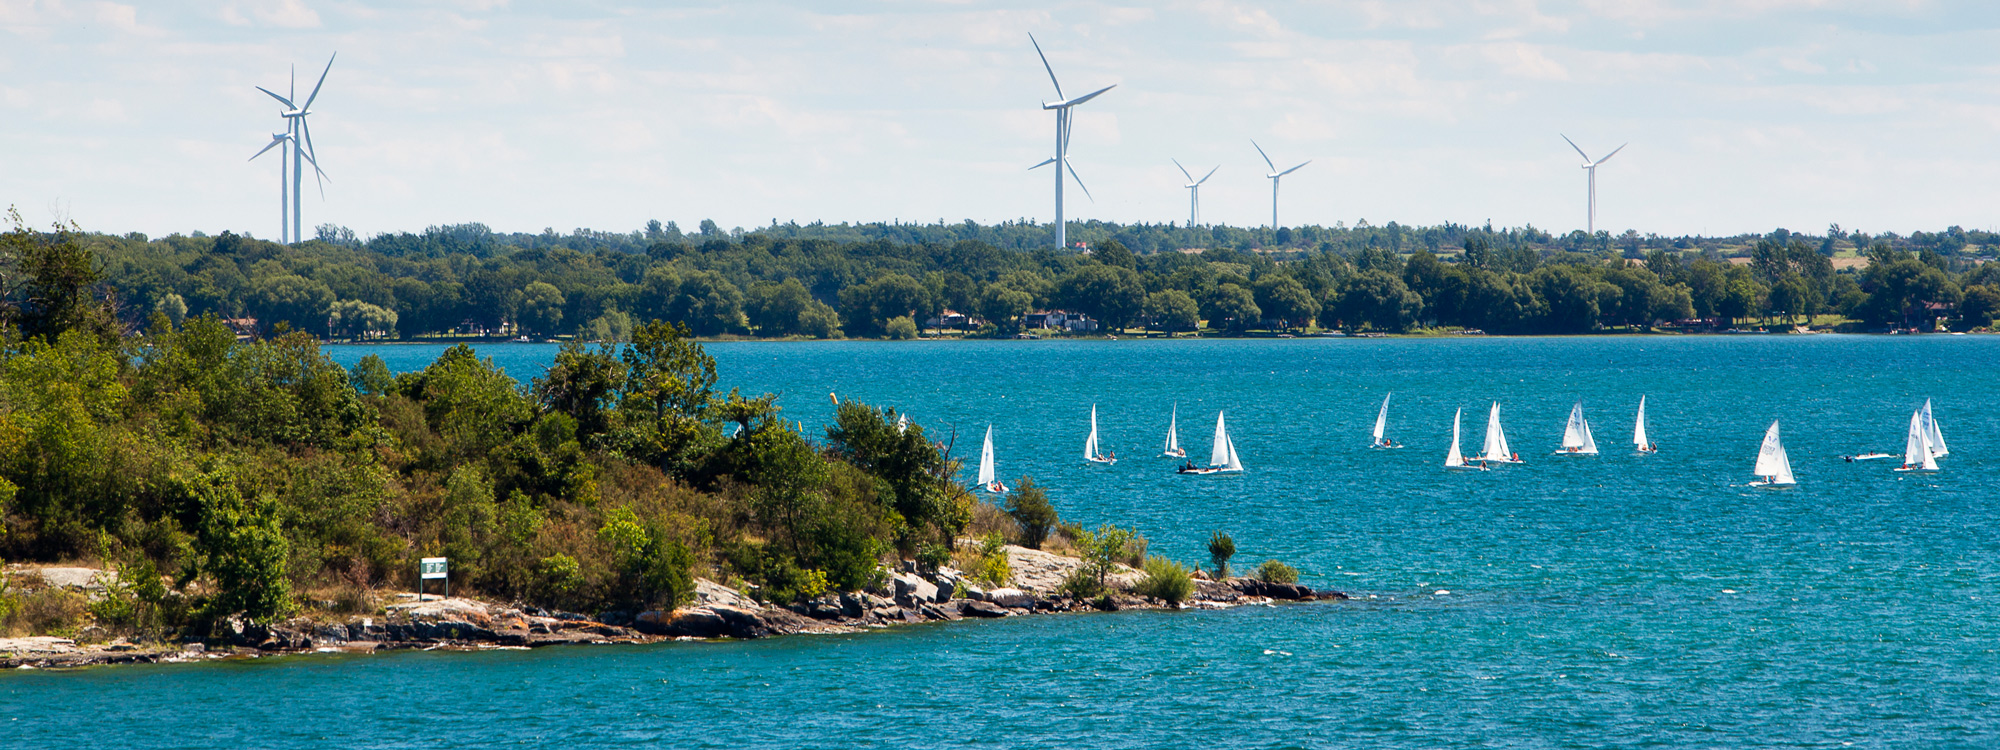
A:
(1468, 467)
(1499, 460)
(1174, 454)
(1760, 484)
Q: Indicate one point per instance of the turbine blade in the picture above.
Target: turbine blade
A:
(1045, 162)
(1177, 163)
(1614, 152)
(281, 100)
(294, 91)
(322, 82)
(319, 176)
(306, 130)
(1045, 65)
(1579, 149)
(275, 140)
(1267, 157)
(1211, 173)
(1089, 96)
(1294, 169)
(1079, 182)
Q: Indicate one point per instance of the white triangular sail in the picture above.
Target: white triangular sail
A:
(1235, 464)
(1917, 452)
(1639, 427)
(1174, 433)
(1496, 439)
(1454, 459)
(1932, 434)
(1576, 434)
(1090, 443)
(1382, 418)
(986, 459)
(1772, 462)
(902, 423)
(1219, 454)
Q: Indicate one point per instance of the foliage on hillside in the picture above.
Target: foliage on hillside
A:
(256, 472)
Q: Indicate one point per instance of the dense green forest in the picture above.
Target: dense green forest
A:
(229, 476)
(854, 280)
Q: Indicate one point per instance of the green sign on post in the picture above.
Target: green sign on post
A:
(433, 567)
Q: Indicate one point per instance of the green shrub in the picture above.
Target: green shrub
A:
(1220, 548)
(1102, 549)
(1167, 581)
(1029, 506)
(902, 328)
(1273, 571)
(989, 566)
(1080, 584)
(557, 578)
(932, 556)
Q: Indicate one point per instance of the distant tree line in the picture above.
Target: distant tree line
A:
(856, 280)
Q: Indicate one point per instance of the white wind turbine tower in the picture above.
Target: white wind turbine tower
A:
(278, 140)
(1274, 175)
(1061, 159)
(1194, 191)
(300, 136)
(1590, 222)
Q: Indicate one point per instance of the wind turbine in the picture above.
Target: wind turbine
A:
(1061, 159)
(300, 135)
(1274, 175)
(1194, 191)
(1590, 222)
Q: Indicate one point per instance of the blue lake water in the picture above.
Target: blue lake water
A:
(1612, 601)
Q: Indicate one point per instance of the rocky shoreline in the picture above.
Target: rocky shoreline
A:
(717, 612)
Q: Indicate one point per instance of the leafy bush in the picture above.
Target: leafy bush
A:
(29, 608)
(1080, 584)
(1102, 549)
(1273, 571)
(558, 578)
(1029, 506)
(1166, 580)
(932, 556)
(1220, 548)
(902, 328)
(988, 563)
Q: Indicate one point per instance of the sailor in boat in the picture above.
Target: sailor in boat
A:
(1516, 457)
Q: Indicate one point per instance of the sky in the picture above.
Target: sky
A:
(1742, 115)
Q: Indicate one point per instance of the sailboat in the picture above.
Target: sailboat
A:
(1917, 451)
(1496, 450)
(1173, 448)
(987, 480)
(1090, 445)
(1381, 423)
(902, 423)
(1931, 433)
(1639, 440)
(1454, 459)
(1222, 457)
(1576, 435)
(1774, 468)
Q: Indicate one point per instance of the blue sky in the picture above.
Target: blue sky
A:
(1743, 115)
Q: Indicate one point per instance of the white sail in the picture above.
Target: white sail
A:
(1639, 426)
(1382, 418)
(1576, 434)
(1218, 455)
(1771, 459)
(902, 423)
(1917, 452)
(1932, 434)
(1174, 432)
(1496, 439)
(1235, 464)
(986, 459)
(1454, 458)
(1090, 443)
